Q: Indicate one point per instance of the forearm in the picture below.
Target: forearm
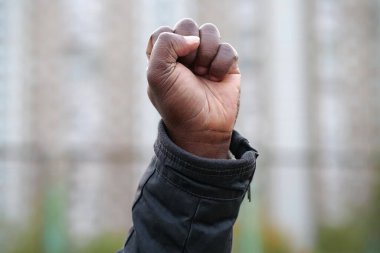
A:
(187, 202)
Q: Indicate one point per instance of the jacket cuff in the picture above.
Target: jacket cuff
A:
(225, 179)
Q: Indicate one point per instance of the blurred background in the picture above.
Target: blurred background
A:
(77, 128)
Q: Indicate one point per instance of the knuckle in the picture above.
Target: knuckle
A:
(187, 24)
(159, 31)
(229, 51)
(209, 27)
(188, 20)
(165, 37)
(162, 29)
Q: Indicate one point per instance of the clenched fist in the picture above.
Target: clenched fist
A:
(194, 82)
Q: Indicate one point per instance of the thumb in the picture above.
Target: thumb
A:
(165, 52)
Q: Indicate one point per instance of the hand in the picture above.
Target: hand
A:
(194, 83)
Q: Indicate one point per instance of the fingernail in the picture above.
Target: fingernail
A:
(201, 70)
(192, 39)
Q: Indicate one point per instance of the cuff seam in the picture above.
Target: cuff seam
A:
(166, 179)
(160, 148)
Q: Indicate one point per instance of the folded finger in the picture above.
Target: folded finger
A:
(208, 48)
(225, 62)
(187, 27)
(153, 38)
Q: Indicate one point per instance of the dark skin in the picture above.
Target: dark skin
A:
(194, 83)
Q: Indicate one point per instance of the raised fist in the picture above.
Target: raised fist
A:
(194, 83)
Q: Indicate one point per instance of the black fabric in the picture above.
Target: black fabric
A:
(189, 204)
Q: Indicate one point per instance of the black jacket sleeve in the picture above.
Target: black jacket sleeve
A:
(189, 204)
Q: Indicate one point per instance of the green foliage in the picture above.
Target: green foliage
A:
(347, 239)
(32, 242)
(274, 241)
(104, 243)
(29, 240)
(361, 233)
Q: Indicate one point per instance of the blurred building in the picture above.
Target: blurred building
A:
(82, 109)
(92, 126)
(75, 119)
(13, 118)
(346, 85)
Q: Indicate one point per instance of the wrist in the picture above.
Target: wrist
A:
(207, 143)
